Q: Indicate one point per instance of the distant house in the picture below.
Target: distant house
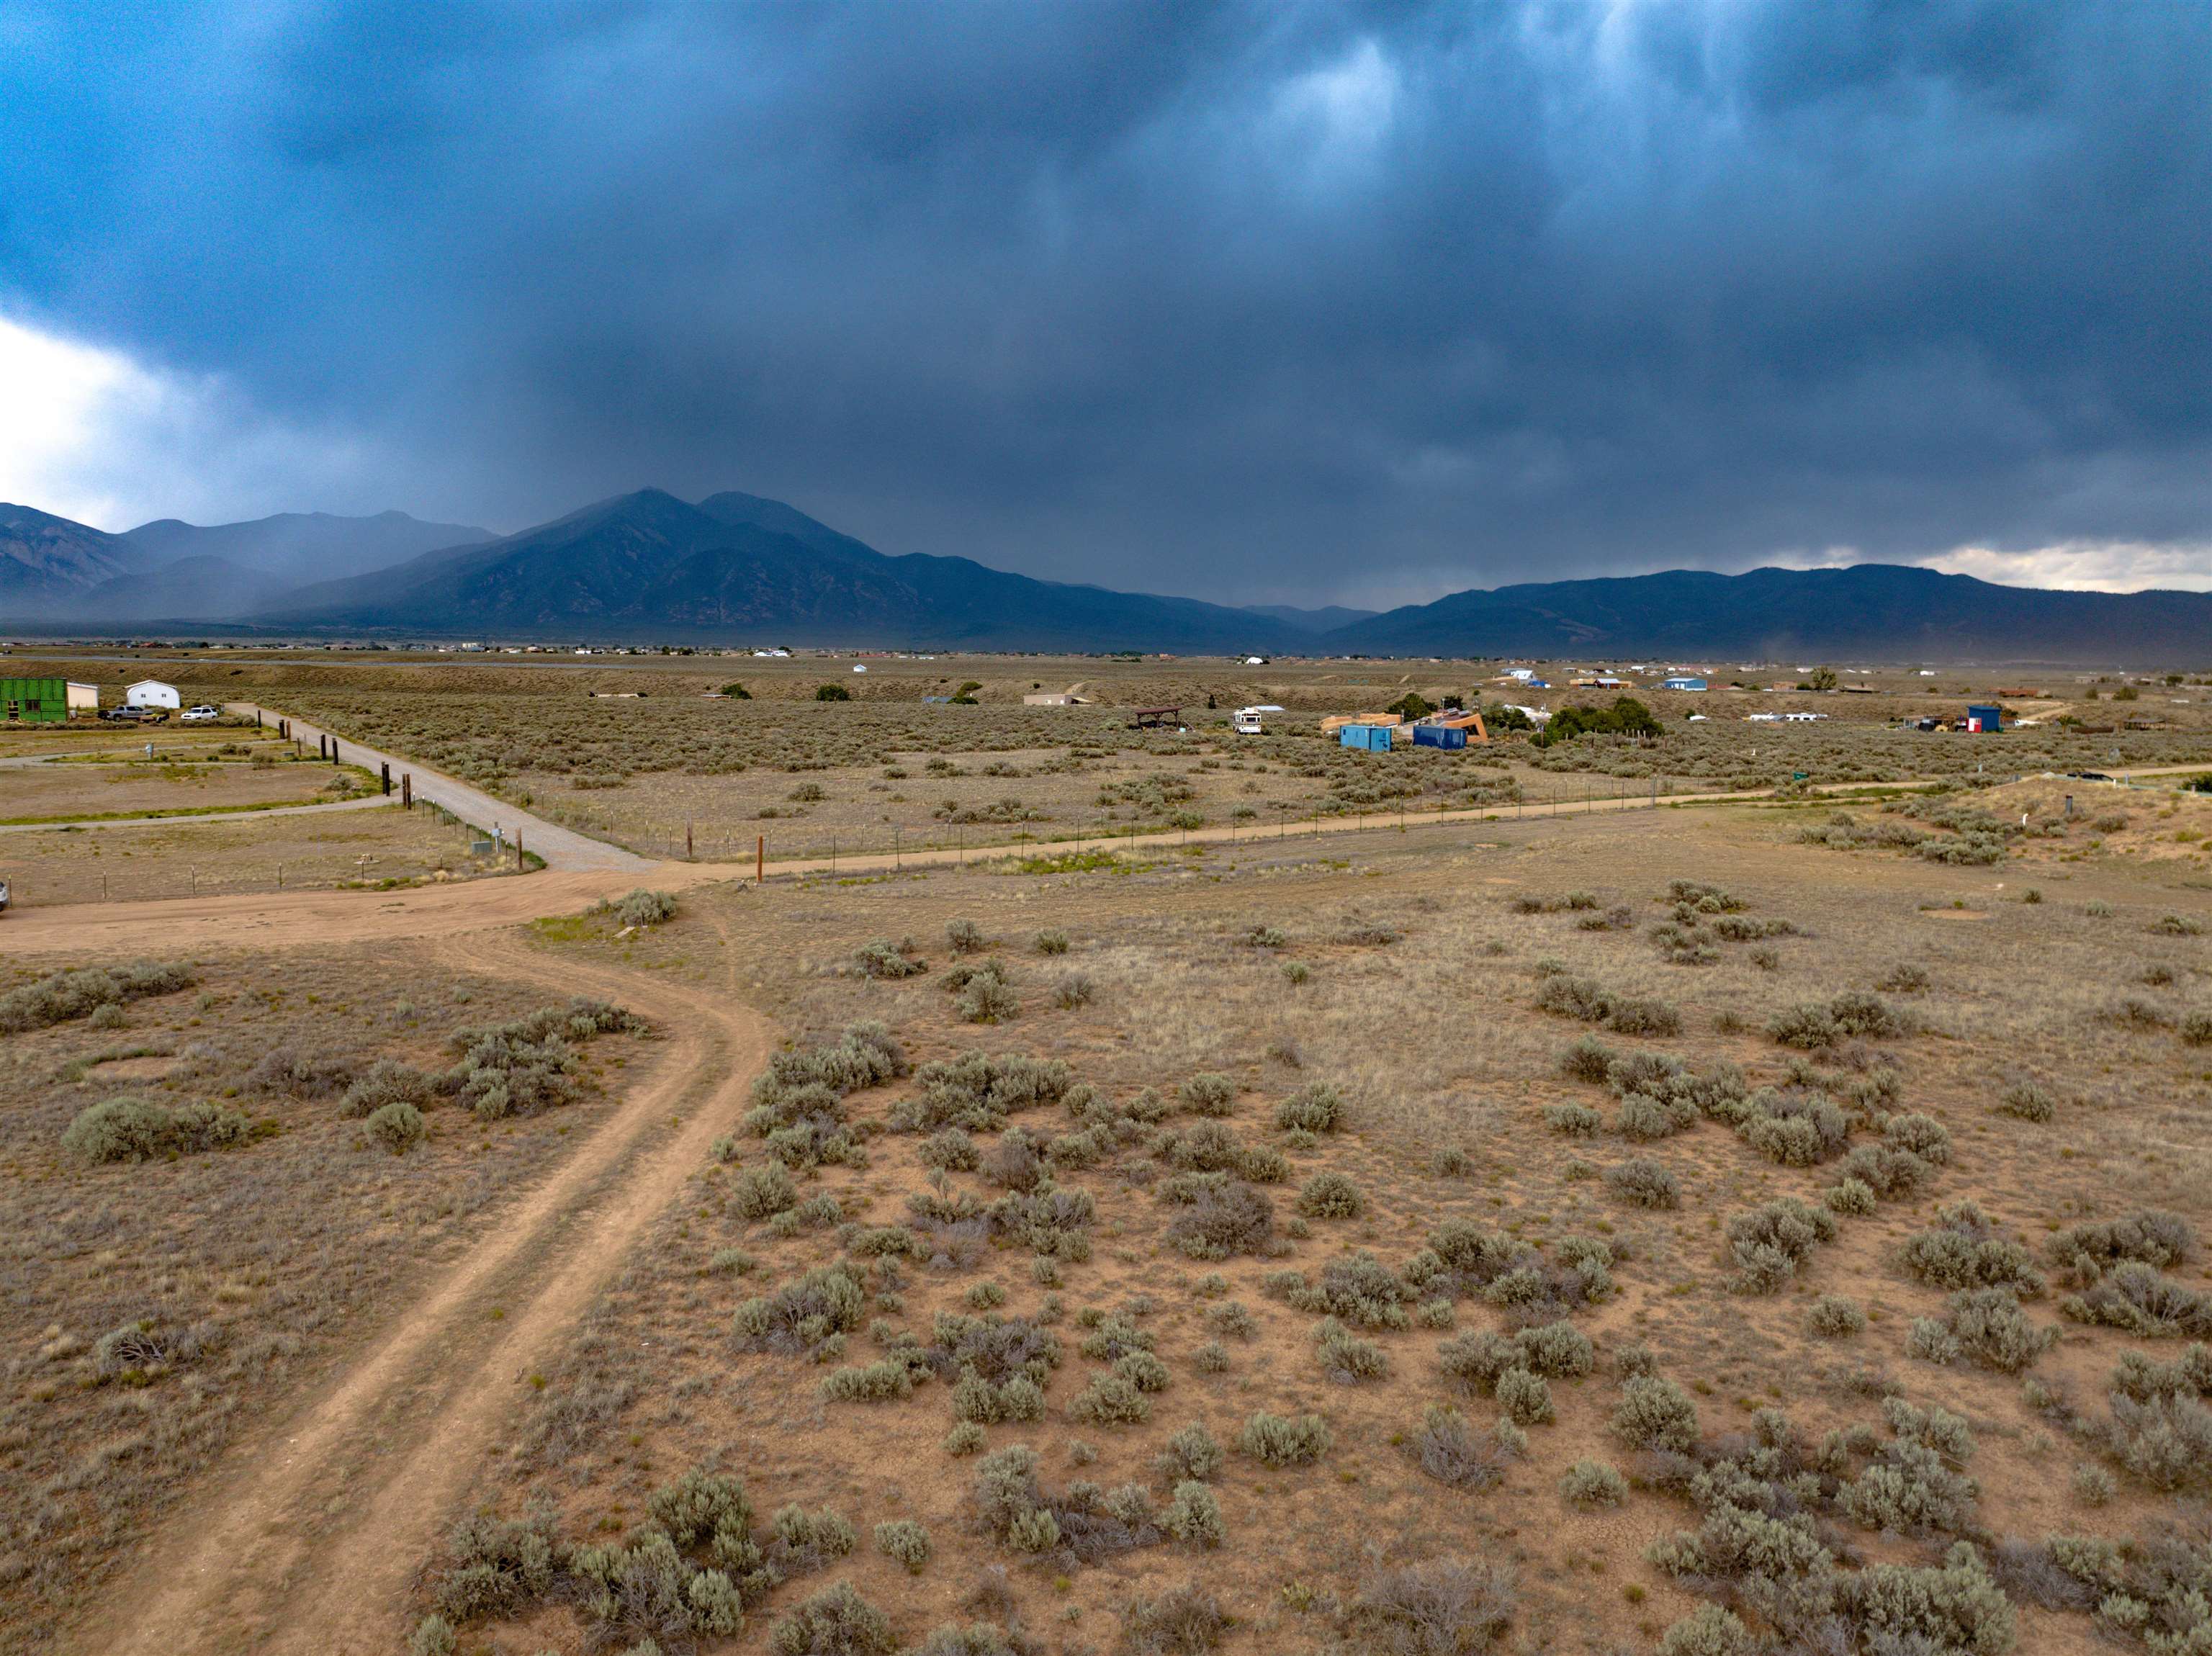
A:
(152, 693)
(1682, 684)
(1055, 699)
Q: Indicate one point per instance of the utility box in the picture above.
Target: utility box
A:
(1439, 736)
(1374, 738)
(1984, 721)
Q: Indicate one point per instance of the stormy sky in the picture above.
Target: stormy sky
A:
(1264, 302)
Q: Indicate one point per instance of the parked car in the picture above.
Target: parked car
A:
(123, 715)
(202, 714)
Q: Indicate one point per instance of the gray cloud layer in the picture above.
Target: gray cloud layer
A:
(1242, 301)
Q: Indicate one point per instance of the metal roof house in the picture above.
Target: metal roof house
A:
(152, 693)
(1683, 684)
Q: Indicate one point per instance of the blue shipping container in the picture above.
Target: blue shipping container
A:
(1439, 736)
(1375, 738)
(1988, 720)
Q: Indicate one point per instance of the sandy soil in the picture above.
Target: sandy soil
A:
(70, 788)
(309, 1542)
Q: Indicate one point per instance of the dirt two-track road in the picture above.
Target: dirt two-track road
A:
(307, 1537)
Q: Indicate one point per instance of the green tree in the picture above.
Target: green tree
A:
(1820, 678)
(736, 692)
(1411, 706)
(1627, 717)
(833, 693)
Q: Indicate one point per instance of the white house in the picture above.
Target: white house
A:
(151, 693)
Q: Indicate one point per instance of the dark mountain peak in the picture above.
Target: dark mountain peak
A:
(756, 511)
(1878, 611)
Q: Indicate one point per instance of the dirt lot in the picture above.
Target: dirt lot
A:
(1654, 1213)
(376, 846)
(166, 786)
(153, 1308)
(1408, 981)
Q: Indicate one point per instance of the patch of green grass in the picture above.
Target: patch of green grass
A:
(1073, 862)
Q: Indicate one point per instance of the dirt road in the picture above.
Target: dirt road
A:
(560, 848)
(307, 1542)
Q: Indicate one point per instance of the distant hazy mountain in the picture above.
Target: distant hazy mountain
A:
(1884, 612)
(68, 573)
(294, 547)
(46, 562)
(1325, 620)
(190, 589)
(736, 566)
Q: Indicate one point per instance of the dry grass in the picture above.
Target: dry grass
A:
(372, 846)
(1401, 974)
(254, 773)
(1433, 1041)
(245, 1269)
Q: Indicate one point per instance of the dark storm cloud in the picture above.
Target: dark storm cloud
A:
(1240, 301)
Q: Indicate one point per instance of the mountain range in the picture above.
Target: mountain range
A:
(735, 568)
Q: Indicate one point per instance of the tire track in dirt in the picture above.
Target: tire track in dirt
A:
(310, 1541)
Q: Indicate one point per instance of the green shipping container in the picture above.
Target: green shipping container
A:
(35, 701)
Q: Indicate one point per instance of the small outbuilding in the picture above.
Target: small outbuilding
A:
(1439, 736)
(33, 700)
(83, 698)
(1374, 738)
(1984, 721)
(152, 693)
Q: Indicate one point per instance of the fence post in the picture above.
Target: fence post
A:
(407, 790)
(387, 777)
(760, 860)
